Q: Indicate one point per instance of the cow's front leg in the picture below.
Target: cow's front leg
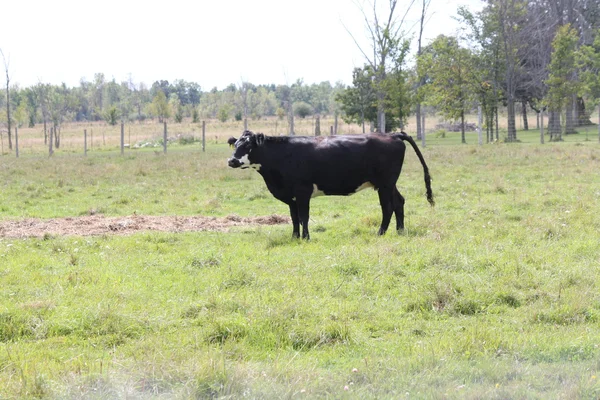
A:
(295, 219)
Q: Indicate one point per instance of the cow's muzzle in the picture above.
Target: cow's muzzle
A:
(234, 162)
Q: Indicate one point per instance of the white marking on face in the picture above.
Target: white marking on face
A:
(316, 191)
(364, 186)
(244, 160)
(247, 164)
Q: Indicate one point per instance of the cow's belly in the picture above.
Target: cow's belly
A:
(339, 189)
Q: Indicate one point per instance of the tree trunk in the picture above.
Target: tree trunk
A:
(512, 131)
(50, 139)
(418, 116)
(423, 129)
(56, 137)
(569, 121)
(8, 105)
(380, 112)
(291, 118)
(554, 128)
(362, 118)
(479, 123)
(541, 125)
(496, 122)
(524, 112)
(462, 127)
(583, 117)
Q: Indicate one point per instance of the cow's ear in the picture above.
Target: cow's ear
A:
(260, 139)
(231, 141)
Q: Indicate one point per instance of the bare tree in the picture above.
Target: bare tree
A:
(421, 82)
(8, 121)
(510, 14)
(385, 36)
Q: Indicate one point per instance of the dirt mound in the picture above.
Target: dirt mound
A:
(99, 224)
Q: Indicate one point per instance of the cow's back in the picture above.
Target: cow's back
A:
(339, 165)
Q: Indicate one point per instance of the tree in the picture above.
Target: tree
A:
(398, 96)
(510, 15)
(450, 81)
(8, 118)
(420, 80)
(385, 38)
(224, 111)
(160, 106)
(358, 102)
(112, 116)
(303, 109)
(176, 108)
(561, 86)
(588, 61)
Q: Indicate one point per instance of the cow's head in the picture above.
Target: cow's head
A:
(243, 147)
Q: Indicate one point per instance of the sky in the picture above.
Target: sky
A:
(211, 42)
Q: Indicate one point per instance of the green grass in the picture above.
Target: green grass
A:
(491, 294)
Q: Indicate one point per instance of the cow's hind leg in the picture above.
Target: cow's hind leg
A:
(295, 219)
(303, 211)
(399, 210)
(386, 199)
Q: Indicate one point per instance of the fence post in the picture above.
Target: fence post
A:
(165, 138)
(335, 122)
(85, 142)
(318, 126)
(331, 130)
(203, 136)
(122, 138)
(17, 141)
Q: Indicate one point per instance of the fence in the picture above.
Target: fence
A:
(94, 137)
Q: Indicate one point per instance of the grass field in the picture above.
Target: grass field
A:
(494, 293)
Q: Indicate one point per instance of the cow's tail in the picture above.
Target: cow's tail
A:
(404, 136)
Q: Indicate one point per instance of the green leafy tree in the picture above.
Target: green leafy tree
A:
(588, 62)
(111, 116)
(303, 109)
(359, 101)
(176, 108)
(449, 86)
(385, 36)
(398, 96)
(561, 83)
(160, 107)
(20, 114)
(224, 112)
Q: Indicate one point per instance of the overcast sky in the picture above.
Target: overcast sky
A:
(211, 42)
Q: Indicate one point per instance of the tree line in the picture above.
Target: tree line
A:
(113, 102)
(540, 55)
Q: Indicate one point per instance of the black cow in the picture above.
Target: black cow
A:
(297, 168)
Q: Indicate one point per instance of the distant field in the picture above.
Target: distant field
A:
(494, 293)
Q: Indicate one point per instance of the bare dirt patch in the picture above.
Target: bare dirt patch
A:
(98, 225)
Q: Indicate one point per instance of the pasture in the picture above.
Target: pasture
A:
(494, 293)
